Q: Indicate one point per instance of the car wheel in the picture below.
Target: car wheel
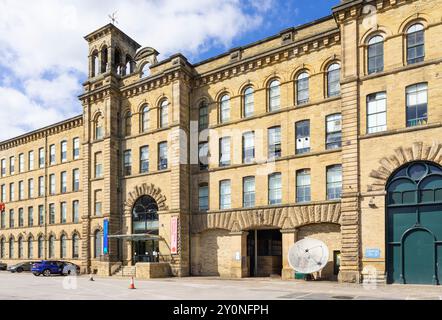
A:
(47, 273)
(19, 270)
(36, 274)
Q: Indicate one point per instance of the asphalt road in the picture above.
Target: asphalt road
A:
(27, 286)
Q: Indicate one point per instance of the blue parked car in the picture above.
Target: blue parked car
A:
(47, 268)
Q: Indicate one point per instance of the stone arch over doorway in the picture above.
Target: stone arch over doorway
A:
(277, 218)
(145, 190)
(419, 151)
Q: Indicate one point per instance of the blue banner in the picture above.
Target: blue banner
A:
(105, 237)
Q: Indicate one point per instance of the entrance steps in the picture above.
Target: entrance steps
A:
(125, 271)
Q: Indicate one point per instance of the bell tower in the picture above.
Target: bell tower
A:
(111, 56)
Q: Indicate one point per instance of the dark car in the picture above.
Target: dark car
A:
(3, 266)
(48, 268)
(21, 267)
(70, 269)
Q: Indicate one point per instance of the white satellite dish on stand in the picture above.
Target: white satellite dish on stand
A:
(308, 256)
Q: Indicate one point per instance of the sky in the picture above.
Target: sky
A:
(43, 56)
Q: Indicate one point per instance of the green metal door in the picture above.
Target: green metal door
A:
(414, 224)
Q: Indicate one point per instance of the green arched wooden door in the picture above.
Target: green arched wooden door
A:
(414, 224)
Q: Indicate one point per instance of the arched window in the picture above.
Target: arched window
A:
(51, 247)
(75, 246)
(249, 102)
(129, 65)
(302, 88)
(63, 249)
(98, 244)
(11, 248)
(334, 80)
(20, 248)
(164, 114)
(224, 108)
(95, 67)
(99, 131)
(128, 124)
(415, 43)
(30, 247)
(2, 248)
(145, 71)
(104, 59)
(274, 95)
(145, 118)
(203, 121)
(375, 54)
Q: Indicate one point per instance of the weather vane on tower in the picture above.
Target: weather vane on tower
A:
(113, 18)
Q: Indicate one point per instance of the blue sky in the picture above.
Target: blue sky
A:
(43, 56)
(283, 15)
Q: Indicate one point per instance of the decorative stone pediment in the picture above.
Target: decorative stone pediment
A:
(280, 218)
(145, 190)
(419, 151)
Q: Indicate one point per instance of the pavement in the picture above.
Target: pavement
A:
(26, 286)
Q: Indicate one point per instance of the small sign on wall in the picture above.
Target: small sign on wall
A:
(174, 235)
(373, 253)
(105, 237)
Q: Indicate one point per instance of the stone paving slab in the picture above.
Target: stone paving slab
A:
(27, 286)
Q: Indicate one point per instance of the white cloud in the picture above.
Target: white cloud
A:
(43, 53)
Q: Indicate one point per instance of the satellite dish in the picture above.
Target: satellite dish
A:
(308, 256)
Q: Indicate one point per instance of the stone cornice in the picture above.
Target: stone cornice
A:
(351, 9)
(285, 52)
(42, 133)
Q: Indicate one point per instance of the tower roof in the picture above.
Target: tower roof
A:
(110, 28)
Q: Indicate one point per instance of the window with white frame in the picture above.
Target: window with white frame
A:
(40, 247)
(3, 164)
(41, 158)
(145, 118)
(334, 131)
(334, 80)
(98, 198)
(249, 102)
(52, 213)
(302, 88)
(76, 180)
(275, 189)
(303, 186)
(224, 152)
(144, 159)
(274, 143)
(334, 182)
(11, 165)
(31, 188)
(41, 215)
(21, 190)
(64, 182)
(417, 104)
(377, 112)
(162, 156)
(21, 163)
(127, 162)
(3, 193)
(98, 165)
(52, 184)
(248, 153)
(11, 192)
(375, 54)
(30, 216)
(274, 95)
(225, 195)
(75, 246)
(203, 120)
(63, 212)
(203, 155)
(63, 248)
(30, 248)
(164, 114)
(51, 245)
(225, 108)
(248, 192)
(52, 154)
(31, 160)
(11, 218)
(64, 151)
(41, 186)
(76, 151)
(21, 217)
(76, 211)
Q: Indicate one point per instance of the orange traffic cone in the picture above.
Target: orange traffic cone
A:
(132, 283)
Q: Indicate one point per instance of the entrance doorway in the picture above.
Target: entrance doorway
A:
(414, 224)
(145, 251)
(264, 251)
(145, 225)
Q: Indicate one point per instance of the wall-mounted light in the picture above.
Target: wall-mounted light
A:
(372, 204)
